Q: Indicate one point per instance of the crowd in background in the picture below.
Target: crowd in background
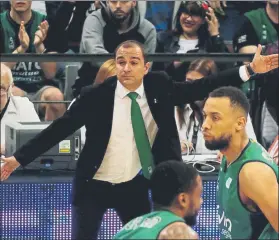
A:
(181, 27)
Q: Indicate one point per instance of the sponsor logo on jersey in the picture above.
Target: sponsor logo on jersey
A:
(225, 225)
(140, 223)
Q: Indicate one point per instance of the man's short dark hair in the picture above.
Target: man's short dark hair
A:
(236, 96)
(131, 44)
(171, 178)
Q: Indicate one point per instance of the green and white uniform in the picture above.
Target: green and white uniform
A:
(148, 226)
(235, 220)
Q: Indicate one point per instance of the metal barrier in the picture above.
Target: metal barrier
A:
(158, 57)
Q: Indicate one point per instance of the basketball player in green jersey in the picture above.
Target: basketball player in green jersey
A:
(176, 193)
(247, 190)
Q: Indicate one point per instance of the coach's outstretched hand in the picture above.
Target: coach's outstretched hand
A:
(264, 64)
(8, 165)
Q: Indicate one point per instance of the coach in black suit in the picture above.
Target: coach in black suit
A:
(130, 128)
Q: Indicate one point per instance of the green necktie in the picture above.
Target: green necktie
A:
(141, 138)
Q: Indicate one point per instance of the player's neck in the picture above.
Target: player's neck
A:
(18, 17)
(172, 209)
(235, 148)
(273, 11)
(175, 211)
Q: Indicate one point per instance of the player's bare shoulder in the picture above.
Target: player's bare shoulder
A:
(178, 230)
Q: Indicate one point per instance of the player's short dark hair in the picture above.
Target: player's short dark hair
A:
(171, 178)
(131, 44)
(236, 96)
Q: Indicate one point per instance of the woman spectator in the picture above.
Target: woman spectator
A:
(189, 117)
(108, 69)
(197, 30)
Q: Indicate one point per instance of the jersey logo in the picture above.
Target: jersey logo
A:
(140, 223)
(225, 224)
(11, 43)
(228, 183)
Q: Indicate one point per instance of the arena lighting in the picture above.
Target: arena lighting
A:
(158, 57)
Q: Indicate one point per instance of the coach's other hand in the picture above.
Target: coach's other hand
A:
(264, 64)
(8, 165)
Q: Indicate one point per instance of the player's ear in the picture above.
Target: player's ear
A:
(183, 199)
(241, 123)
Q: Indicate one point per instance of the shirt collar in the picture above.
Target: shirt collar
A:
(122, 92)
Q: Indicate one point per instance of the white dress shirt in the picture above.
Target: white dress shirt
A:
(121, 162)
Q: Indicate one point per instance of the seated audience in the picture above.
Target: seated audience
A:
(197, 30)
(25, 32)
(189, 118)
(13, 108)
(105, 29)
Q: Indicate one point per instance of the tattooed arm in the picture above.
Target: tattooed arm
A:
(177, 230)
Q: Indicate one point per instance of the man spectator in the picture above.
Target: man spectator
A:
(13, 108)
(106, 28)
(66, 20)
(24, 31)
(261, 26)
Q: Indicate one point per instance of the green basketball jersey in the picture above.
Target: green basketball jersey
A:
(147, 226)
(27, 75)
(269, 233)
(235, 220)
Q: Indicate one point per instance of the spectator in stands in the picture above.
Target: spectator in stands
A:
(189, 117)
(106, 28)
(24, 31)
(13, 108)
(197, 30)
(66, 21)
(261, 26)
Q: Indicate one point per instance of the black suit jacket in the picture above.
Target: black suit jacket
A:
(94, 109)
